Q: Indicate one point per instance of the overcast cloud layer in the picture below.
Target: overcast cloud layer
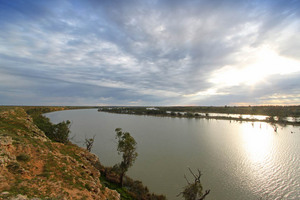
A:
(149, 52)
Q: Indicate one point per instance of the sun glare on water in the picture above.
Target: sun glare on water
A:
(257, 141)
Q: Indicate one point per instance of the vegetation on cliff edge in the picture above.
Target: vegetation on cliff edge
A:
(31, 164)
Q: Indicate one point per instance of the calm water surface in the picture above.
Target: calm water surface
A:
(238, 160)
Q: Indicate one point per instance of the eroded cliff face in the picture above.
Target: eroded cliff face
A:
(33, 167)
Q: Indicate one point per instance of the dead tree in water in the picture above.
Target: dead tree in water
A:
(194, 191)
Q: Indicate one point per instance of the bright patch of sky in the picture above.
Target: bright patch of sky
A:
(88, 52)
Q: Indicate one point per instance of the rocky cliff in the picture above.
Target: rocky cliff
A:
(33, 167)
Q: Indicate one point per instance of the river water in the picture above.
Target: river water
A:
(238, 160)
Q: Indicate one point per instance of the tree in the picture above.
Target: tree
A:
(61, 132)
(126, 147)
(89, 143)
(188, 114)
(194, 191)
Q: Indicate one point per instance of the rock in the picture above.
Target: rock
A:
(3, 160)
(19, 197)
(4, 193)
(5, 141)
(2, 178)
(97, 190)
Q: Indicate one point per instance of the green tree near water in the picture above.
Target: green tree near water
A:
(61, 132)
(56, 132)
(126, 147)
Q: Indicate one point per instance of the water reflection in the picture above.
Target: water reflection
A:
(239, 160)
(257, 141)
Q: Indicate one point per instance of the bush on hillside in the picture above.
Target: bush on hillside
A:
(56, 132)
(23, 157)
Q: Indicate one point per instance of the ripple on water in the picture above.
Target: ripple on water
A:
(243, 161)
(281, 178)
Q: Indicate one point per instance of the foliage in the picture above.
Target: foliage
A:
(139, 191)
(61, 132)
(283, 111)
(23, 157)
(280, 112)
(194, 190)
(89, 143)
(14, 167)
(56, 132)
(88, 187)
(54, 168)
(121, 190)
(131, 190)
(190, 114)
(126, 147)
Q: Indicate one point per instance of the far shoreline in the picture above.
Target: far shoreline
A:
(182, 113)
(278, 116)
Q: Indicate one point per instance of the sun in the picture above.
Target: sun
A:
(256, 66)
(253, 66)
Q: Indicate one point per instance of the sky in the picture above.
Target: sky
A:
(150, 52)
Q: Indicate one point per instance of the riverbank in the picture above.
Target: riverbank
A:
(33, 166)
(281, 115)
(222, 150)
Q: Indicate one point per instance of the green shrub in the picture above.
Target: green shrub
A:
(88, 187)
(56, 132)
(14, 167)
(23, 157)
(131, 190)
(61, 132)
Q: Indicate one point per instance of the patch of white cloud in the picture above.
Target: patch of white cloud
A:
(8, 81)
(188, 53)
(205, 94)
(280, 99)
(245, 33)
(256, 66)
(261, 63)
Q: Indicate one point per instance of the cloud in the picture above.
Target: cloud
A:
(147, 52)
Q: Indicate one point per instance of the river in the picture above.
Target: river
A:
(238, 160)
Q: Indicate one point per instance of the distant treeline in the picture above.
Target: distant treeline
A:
(279, 111)
(276, 114)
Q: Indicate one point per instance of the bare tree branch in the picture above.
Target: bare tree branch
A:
(179, 194)
(193, 191)
(89, 143)
(187, 180)
(206, 193)
(192, 173)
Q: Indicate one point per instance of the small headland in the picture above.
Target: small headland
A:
(37, 163)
